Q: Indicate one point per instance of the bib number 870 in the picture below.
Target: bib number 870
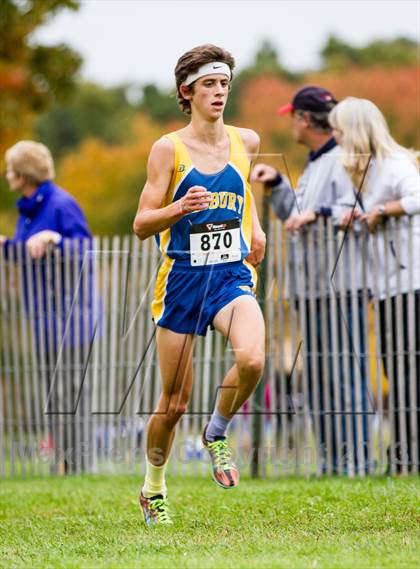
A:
(215, 240)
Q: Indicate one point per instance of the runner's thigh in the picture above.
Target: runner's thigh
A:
(175, 360)
(242, 322)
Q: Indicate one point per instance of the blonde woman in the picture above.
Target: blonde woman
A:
(390, 189)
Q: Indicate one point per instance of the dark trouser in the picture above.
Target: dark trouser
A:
(337, 384)
(401, 360)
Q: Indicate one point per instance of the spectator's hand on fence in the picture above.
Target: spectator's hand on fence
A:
(257, 253)
(3, 239)
(263, 173)
(37, 244)
(349, 217)
(373, 219)
(299, 220)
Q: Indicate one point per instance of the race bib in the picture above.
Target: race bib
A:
(213, 243)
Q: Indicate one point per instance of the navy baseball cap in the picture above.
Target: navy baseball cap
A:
(311, 98)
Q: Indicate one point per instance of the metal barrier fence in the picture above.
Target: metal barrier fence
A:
(79, 377)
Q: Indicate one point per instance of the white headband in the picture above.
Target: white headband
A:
(212, 68)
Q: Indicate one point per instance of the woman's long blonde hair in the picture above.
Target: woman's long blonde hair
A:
(364, 134)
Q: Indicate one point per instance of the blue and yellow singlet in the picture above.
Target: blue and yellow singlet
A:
(231, 196)
(226, 225)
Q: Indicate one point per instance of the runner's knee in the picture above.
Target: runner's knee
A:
(251, 364)
(174, 412)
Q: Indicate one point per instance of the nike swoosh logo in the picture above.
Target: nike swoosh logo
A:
(217, 66)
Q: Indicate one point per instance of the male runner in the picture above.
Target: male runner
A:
(197, 201)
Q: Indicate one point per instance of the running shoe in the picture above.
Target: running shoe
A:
(224, 471)
(155, 510)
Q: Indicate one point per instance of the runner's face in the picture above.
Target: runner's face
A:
(210, 94)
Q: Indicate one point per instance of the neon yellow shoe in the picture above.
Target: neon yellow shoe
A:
(224, 471)
(155, 510)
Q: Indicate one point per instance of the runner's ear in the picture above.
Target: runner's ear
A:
(186, 92)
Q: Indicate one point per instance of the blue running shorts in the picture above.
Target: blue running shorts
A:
(187, 298)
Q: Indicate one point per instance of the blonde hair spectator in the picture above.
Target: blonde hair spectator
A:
(32, 160)
(363, 132)
(390, 208)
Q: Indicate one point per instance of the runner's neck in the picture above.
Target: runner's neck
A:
(207, 133)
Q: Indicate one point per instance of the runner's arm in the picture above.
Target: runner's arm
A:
(258, 240)
(151, 217)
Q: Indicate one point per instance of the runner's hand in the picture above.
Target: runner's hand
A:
(257, 253)
(196, 199)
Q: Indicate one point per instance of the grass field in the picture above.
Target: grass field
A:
(95, 522)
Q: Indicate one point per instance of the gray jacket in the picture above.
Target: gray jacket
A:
(325, 188)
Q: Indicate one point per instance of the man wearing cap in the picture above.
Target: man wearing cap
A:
(324, 189)
(317, 190)
(198, 204)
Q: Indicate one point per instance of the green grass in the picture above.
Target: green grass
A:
(95, 522)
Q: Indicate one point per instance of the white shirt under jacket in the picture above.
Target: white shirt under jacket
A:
(398, 254)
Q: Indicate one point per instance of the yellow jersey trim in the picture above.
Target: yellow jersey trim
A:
(158, 303)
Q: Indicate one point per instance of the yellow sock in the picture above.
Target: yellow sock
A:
(154, 482)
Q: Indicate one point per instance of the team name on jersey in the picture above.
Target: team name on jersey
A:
(227, 200)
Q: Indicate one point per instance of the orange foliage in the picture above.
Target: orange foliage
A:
(16, 119)
(395, 91)
(259, 101)
(107, 180)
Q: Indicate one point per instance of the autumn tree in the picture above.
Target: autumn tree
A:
(93, 112)
(32, 76)
(159, 104)
(399, 52)
(107, 179)
(266, 63)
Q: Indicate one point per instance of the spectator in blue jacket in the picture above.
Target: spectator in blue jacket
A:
(48, 215)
